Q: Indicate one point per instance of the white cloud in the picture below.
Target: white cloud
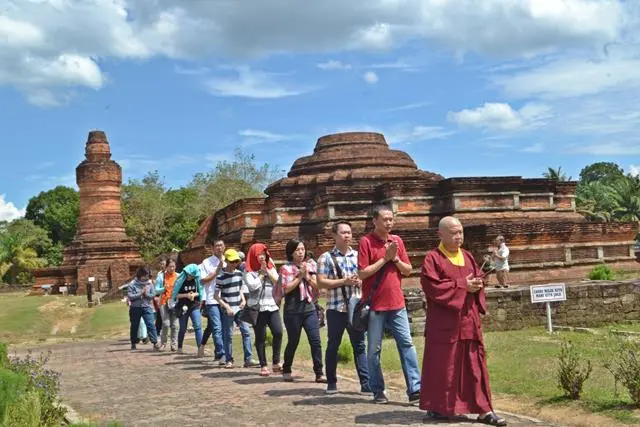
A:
(9, 211)
(634, 170)
(252, 84)
(196, 71)
(418, 133)
(500, 116)
(572, 78)
(370, 77)
(332, 64)
(534, 148)
(254, 136)
(49, 45)
(627, 148)
(411, 106)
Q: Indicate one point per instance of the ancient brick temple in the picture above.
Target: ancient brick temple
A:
(101, 248)
(348, 173)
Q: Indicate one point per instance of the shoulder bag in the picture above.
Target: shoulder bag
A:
(360, 318)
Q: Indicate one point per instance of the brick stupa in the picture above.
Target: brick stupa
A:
(349, 173)
(101, 248)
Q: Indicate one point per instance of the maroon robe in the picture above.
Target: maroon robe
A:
(455, 379)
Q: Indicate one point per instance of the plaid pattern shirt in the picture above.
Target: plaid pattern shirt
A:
(349, 265)
(288, 273)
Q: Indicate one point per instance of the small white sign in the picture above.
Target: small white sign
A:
(548, 293)
(91, 279)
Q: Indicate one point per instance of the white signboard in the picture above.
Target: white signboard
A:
(548, 293)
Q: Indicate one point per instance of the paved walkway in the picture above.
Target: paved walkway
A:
(103, 381)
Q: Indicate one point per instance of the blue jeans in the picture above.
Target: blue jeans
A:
(398, 323)
(337, 322)
(148, 317)
(196, 321)
(214, 327)
(227, 332)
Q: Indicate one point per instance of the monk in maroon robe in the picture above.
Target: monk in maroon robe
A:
(455, 379)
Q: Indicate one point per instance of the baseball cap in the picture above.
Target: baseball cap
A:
(231, 255)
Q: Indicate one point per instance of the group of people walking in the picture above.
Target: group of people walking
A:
(252, 293)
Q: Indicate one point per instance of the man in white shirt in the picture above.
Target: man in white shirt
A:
(500, 259)
(210, 268)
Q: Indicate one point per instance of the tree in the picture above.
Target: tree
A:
(56, 211)
(625, 193)
(21, 243)
(556, 174)
(603, 172)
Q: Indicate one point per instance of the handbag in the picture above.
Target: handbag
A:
(361, 312)
(250, 314)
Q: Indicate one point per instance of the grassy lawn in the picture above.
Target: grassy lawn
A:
(522, 364)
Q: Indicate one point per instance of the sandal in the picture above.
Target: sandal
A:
(277, 368)
(264, 372)
(493, 420)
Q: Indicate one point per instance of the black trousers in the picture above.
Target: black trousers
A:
(271, 319)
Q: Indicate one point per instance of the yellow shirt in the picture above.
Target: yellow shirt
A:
(455, 258)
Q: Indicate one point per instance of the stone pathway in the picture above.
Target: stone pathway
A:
(104, 381)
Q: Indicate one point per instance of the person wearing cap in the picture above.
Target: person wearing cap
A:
(229, 296)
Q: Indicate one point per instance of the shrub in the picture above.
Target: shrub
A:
(601, 272)
(269, 340)
(45, 382)
(571, 376)
(25, 412)
(12, 386)
(4, 355)
(345, 353)
(624, 364)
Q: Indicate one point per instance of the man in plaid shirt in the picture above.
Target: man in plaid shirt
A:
(338, 273)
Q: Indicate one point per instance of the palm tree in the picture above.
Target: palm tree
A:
(17, 255)
(556, 174)
(625, 194)
(593, 200)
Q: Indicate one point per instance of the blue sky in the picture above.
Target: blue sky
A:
(467, 88)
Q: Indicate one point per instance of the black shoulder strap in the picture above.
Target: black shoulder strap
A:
(377, 282)
(340, 276)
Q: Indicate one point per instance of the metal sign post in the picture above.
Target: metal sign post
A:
(548, 294)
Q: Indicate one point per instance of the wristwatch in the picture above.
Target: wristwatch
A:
(396, 260)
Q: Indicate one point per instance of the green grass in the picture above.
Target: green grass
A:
(522, 363)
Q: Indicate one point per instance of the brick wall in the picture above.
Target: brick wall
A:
(588, 304)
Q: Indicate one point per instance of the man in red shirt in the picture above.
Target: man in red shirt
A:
(383, 259)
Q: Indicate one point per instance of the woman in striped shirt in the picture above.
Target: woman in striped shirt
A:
(260, 278)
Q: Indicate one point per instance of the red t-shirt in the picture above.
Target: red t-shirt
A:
(389, 294)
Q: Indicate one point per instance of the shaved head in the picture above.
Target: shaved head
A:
(448, 221)
(451, 233)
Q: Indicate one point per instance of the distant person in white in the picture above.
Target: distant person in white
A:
(500, 258)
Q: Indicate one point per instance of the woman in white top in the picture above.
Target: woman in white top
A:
(260, 277)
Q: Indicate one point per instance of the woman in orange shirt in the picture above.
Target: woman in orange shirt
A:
(164, 285)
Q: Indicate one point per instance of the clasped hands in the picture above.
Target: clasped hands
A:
(391, 252)
(474, 284)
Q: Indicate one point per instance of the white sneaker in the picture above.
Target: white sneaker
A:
(200, 352)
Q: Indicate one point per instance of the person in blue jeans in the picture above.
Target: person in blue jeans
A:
(382, 261)
(187, 294)
(338, 274)
(140, 293)
(231, 299)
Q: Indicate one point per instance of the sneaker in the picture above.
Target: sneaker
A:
(287, 377)
(133, 349)
(414, 397)
(200, 352)
(264, 371)
(145, 341)
(331, 389)
(163, 347)
(320, 379)
(173, 348)
(364, 389)
(156, 347)
(228, 365)
(251, 364)
(380, 398)
(217, 359)
(180, 351)
(222, 362)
